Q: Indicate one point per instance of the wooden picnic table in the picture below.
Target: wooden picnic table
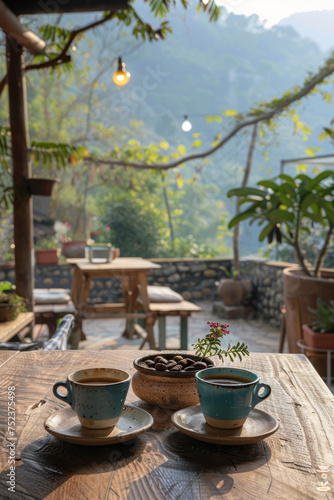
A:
(163, 463)
(132, 271)
(9, 329)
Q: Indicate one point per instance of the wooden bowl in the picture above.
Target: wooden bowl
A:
(166, 389)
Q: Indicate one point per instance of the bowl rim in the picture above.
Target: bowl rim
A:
(168, 355)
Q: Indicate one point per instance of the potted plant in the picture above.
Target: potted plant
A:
(11, 304)
(320, 333)
(71, 247)
(47, 252)
(167, 380)
(289, 208)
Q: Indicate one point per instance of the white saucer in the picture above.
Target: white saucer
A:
(258, 426)
(64, 424)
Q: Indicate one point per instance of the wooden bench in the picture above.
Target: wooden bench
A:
(161, 310)
(50, 313)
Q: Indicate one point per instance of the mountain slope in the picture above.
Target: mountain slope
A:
(316, 25)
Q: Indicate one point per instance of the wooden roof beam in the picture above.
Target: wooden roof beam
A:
(14, 29)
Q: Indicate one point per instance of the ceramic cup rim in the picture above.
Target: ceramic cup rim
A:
(202, 373)
(82, 384)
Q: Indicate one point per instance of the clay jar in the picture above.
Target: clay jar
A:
(233, 292)
(166, 389)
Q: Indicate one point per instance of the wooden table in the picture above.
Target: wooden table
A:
(132, 271)
(9, 329)
(163, 463)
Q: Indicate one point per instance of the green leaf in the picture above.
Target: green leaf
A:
(182, 149)
(314, 182)
(277, 216)
(322, 136)
(309, 199)
(230, 112)
(164, 145)
(240, 217)
(265, 231)
(213, 118)
(197, 144)
(287, 178)
(268, 184)
(246, 191)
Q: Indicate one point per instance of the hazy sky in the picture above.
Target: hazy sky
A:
(274, 10)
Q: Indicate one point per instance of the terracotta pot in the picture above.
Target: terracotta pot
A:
(316, 339)
(300, 293)
(47, 257)
(41, 187)
(166, 389)
(74, 249)
(233, 292)
(7, 312)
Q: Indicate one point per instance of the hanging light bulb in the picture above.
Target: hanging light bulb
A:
(186, 125)
(121, 77)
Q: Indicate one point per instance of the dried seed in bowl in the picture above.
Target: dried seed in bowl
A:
(161, 367)
(176, 368)
(190, 368)
(157, 359)
(183, 362)
(171, 363)
(190, 361)
(143, 365)
(150, 362)
(199, 365)
(177, 358)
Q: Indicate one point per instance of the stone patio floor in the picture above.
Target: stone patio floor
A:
(107, 333)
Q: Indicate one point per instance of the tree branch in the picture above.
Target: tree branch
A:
(323, 251)
(282, 104)
(62, 57)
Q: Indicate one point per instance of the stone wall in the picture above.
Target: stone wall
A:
(267, 281)
(194, 279)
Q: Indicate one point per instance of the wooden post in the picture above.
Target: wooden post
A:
(23, 218)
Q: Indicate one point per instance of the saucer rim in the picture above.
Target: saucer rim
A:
(98, 441)
(223, 439)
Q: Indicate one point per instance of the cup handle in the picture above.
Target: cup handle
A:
(260, 397)
(68, 397)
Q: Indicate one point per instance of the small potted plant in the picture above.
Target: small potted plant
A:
(320, 333)
(11, 304)
(71, 247)
(47, 252)
(167, 380)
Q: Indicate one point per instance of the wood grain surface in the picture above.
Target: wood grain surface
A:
(9, 329)
(163, 463)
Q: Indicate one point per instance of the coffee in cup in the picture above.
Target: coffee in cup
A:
(227, 395)
(97, 395)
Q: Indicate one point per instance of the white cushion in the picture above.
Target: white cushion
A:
(56, 296)
(162, 294)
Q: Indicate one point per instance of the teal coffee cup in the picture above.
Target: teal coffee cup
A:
(97, 395)
(227, 395)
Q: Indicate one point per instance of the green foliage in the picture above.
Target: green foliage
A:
(62, 155)
(7, 286)
(324, 316)
(134, 227)
(46, 243)
(288, 208)
(9, 297)
(210, 345)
